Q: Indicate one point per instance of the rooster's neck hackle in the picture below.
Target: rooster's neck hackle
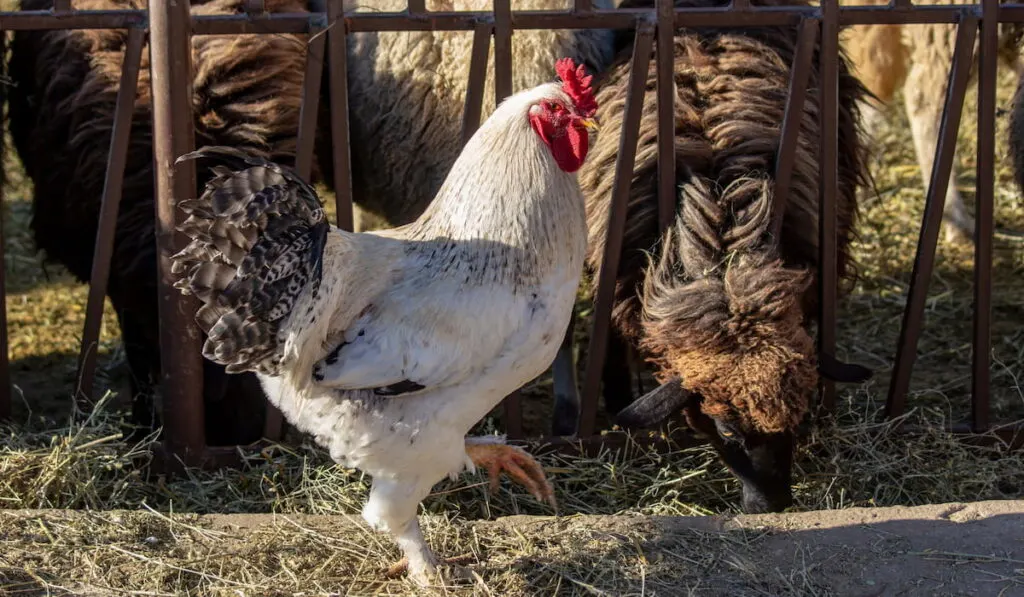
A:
(506, 189)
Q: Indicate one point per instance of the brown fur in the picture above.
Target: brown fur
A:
(247, 91)
(722, 303)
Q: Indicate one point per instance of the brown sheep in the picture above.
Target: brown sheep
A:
(717, 302)
(917, 59)
(247, 95)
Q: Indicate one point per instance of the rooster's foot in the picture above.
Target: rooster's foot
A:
(519, 465)
(450, 571)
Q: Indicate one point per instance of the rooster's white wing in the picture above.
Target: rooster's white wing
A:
(439, 336)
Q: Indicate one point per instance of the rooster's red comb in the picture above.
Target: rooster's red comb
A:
(576, 83)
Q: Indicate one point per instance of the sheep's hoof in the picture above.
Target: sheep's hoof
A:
(954, 234)
(958, 228)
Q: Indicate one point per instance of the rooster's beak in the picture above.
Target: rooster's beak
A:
(590, 123)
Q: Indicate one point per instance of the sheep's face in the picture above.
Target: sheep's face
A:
(761, 461)
(737, 344)
(748, 401)
(751, 402)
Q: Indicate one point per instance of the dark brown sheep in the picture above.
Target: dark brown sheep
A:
(247, 91)
(718, 303)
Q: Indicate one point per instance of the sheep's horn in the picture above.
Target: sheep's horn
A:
(836, 370)
(656, 406)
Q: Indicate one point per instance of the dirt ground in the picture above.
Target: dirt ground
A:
(947, 550)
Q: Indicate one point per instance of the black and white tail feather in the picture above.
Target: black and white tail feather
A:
(258, 234)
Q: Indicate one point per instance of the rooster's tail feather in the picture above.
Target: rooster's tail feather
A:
(258, 233)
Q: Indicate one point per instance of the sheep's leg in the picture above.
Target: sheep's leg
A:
(616, 375)
(234, 406)
(924, 93)
(141, 357)
(567, 397)
(872, 116)
(492, 454)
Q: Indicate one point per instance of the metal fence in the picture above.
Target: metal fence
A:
(169, 26)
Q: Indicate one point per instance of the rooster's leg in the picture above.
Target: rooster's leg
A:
(391, 508)
(490, 454)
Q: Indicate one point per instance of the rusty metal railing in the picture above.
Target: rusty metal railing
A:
(170, 25)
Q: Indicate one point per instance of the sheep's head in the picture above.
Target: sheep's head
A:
(736, 359)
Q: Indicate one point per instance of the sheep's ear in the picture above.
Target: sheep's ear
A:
(836, 370)
(656, 406)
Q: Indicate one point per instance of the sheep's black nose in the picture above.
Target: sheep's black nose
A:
(756, 501)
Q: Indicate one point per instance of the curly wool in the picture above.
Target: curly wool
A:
(722, 302)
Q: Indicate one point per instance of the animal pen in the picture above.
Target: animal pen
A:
(169, 25)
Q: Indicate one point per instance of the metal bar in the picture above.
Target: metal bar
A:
(338, 56)
(61, 6)
(502, 50)
(740, 5)
(666, 114)
(582, 6)
(255, 7)
(417, 7)
(106, 231)
(474, 104)
(792, 120)
(466, 21)
(1011, 13)
(913, 313)
(829, 165)
(502, 89)
(596, 19)
(624, 162)
(984, 226)
(180, 358)
(919, 15)
(902, 4)
(5, 366)
(266, 22)
(31, 20)
(309, 106)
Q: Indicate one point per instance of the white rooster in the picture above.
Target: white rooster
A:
(389, 346)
